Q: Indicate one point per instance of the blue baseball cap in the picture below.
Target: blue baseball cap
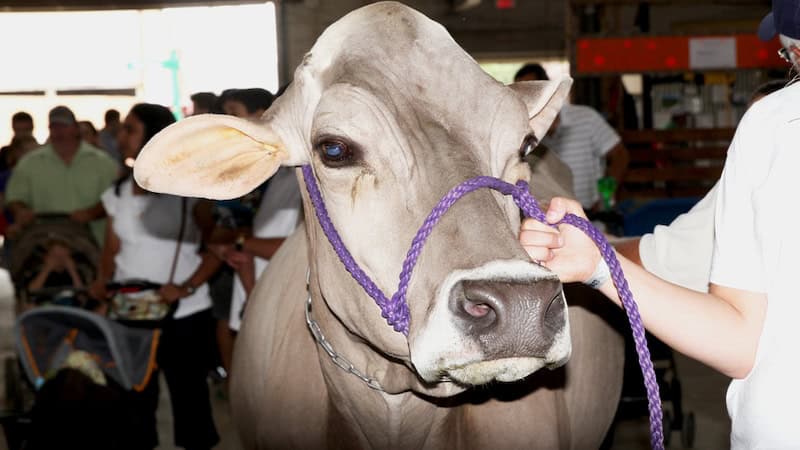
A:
(784, 19)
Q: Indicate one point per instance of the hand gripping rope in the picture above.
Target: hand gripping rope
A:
(395, 310)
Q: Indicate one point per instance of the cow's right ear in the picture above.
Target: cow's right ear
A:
(544, 100)
(211, 156)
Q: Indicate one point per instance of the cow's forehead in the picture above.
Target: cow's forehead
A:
(391, 42)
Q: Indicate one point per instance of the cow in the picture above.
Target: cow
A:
(390, 113)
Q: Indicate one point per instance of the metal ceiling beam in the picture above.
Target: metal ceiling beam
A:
(93, 5)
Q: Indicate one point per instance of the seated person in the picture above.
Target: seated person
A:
(58, 270)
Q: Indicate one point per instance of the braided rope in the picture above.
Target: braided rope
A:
(396, 312)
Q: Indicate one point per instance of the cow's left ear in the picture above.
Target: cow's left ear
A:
(544, 100)
(211, 156)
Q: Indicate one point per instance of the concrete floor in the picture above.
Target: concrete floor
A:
(703, 394)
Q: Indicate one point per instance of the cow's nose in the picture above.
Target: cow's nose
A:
(509, 318)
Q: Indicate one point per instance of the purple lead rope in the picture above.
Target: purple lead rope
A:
(395, 310)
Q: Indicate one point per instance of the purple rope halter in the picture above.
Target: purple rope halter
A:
(395, 310)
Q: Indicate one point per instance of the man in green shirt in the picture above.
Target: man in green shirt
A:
(65, 175)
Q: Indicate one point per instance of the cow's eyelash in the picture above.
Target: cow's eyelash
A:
(528, 144)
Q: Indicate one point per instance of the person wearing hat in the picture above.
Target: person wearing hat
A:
(66, 175)
(745, 326)
(784, 21)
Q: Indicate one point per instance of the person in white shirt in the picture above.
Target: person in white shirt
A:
(744, 326)
(278, 215)
(141, 242)
(681, 251)
(585, 142)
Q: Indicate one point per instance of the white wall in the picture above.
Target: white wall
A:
(217, 48)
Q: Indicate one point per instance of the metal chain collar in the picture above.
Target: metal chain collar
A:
(337, 359)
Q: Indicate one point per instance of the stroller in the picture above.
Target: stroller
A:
(77, 369)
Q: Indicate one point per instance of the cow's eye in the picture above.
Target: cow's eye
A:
(528, 144)
(335, 153)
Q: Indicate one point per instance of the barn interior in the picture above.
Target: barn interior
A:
(672, 78)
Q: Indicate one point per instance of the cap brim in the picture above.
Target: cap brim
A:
(766, 31)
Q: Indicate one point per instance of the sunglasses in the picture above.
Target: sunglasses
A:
(784, 54)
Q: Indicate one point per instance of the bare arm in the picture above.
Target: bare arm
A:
(38, 281)
(209, 264)
(107, 267)
(203, 214)
(22, 213)
(208, 267)
(262, 247)
(720, 329)
(618, 157)
(89, 214)
(73, 273)
(629, 248)
(204, 218)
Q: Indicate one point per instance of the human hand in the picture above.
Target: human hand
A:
(171, 293)
(220, 250)
(97, 290)
(81, 216)
(239, 260)
(61, 256)
(567, 251)
(53, 259)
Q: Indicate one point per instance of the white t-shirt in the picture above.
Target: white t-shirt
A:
(147, 227)
(582, 140)
(756, 249)
(277, 217)
(681, 252)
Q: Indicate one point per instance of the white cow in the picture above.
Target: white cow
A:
(391, 113)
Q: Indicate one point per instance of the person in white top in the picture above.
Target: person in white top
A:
(277, 217)
(745, 326)
(141, 242)
(681, 251)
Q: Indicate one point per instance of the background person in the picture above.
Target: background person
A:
(22, 124)
(142, 243)
(585, 142)
(66, 175)
(204, 103)
(247, 103)
(107, 137)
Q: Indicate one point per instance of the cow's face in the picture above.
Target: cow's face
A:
(391, 114)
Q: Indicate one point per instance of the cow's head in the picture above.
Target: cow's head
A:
(391, 113)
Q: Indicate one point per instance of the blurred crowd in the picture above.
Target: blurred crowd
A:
(203, 257)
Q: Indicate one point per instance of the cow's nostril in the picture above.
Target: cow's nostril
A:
(554, 313)
(475, 303)
(475, 309)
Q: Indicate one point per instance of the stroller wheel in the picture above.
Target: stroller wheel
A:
(687, 432)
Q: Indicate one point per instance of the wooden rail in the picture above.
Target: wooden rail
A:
(674, 163)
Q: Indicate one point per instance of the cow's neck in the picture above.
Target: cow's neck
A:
(394, 417)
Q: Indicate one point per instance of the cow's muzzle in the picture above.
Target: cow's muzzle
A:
(509, 318)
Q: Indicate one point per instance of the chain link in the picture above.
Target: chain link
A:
(337, 359)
